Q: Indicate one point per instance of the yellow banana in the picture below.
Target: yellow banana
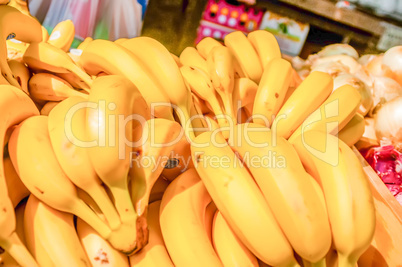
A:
(227, 245)
(287, 188)
(21, 5)
(162, 68)
(44, 177)
(347, 192)
(15, 24)
(48, 107)
(154, 254)
(266, 46)
(199, 103)
(353, 130)
(158, 189)
(17, 106)
(55, 231)
(84, 43)
(97, 249)
(271, 91)
(159, 143)
(210, 211)
(244, 92)
(176, 60)
(333, 114)
(245, 54)
(206, 45)
(121, 40)
(190, 57)
(21, 73)
(182, 215)
(67, 131)
(310, 94)
(120, 60)
(44, 56)
(221, 71)
(49, 87)
(110, 127)
(240, 200)
(62, 35)
(74, 80)
(45, 34)
(17, 191)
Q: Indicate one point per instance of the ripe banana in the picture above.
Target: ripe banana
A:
(271, 91)
(245, 54)
(210, 211)
(160, 65)
(43, 177)
(45, 57)
(111, 120)
(227, 245)
(158, 189)
(19, 107)
(176, 60)
(154, 254)
(48, 107)
(287, 188)
(333, 114)
(199, 103)
(120, 60)
(310, 94)
(190, 57)
(158, 145)
(353, 130)
(84, 43)
(15, 188)
(49, 87)
(206, 45)
(74, 80)
(99, 252)
(121, 40)
(67, 131)
(62, 35)
(266, 46)
(55, 231)
(15, 25)
(240, 200)
(45, 34)
(221, 71)
(21, 73)
(182, 213)
(244, 92)
(347, 192)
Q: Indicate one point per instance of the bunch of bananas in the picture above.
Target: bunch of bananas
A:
(123, 154)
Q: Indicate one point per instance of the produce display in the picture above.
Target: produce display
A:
(123, 154)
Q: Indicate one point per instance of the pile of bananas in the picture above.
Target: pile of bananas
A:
(122, 154)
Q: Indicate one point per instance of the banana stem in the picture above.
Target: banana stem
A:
(320, 263)
(103, 201)
(345, 261)
(123, 203)
(19, 252)
(86, 214)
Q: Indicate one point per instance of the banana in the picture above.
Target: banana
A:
(176, 60)
(74, 81)
(240, 200)
(99, 251)
(158, 189)
(347, 192)
(111, 120)
(84, 43)
(266, 46)
(62, 35)
(44, 177)
(49, 87)
(271, 91)
(159, 143)
(15, 24)
(227, 245)
(15, 50)
(244, 92)
(48, 107)
(165, 72)
(44, 56)
(221, 71)
(199, 103)
(310, 94)
(287, 188)
(17, 106)
(210, 211)
(21, 73)
(182, 213)
(190, 57)
(206, 45)
(21, 5)
(56, 233)
(353, 130)
(120, 60)
(245, 54)
(17, 191)
(333, 114)
(121, 40)
(45, 34)
(154, 254)
(66, 124)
